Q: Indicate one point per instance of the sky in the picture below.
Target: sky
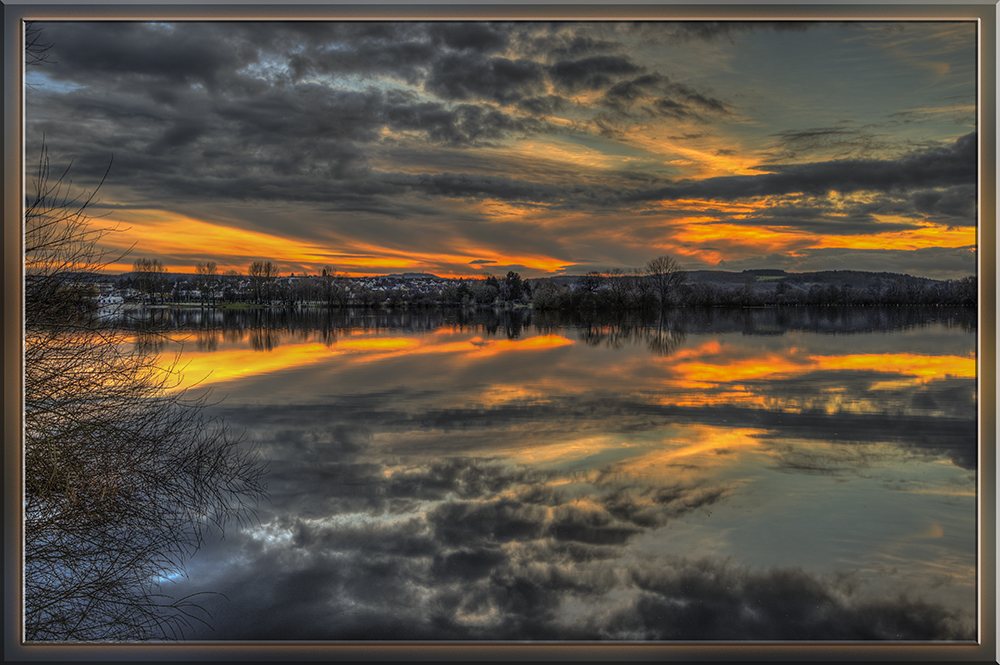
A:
(465, 149)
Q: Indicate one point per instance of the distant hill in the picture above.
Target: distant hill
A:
(413, 275)
(854, 278)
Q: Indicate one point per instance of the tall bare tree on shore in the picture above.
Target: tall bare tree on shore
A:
(123, 475)
(206, 279)
(262, 276)
(335, 290)
(666, 277)
(150, 278)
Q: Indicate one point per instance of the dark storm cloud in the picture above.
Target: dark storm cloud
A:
(819, 218)
(470, 36)
(215, 52)
(957, 202)
(592, 73)
(568, 46)
(670, 99)
(481, 186)
(305, 112)
(179, 135)
(89, 52)
(464, 124)
(282, 146)
(842, 141)
(941, 167)
(544, 105)
(243, 117)
(313, 113)
(461, 77)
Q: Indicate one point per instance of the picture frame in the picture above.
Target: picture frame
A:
(15, 650)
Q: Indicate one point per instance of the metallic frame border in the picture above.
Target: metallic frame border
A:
(984, 11)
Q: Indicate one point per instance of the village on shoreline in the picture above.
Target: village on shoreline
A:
(613, 290)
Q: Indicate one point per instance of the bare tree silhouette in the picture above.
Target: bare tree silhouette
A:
(123, 475)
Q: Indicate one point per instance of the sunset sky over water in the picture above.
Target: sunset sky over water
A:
(545, 148)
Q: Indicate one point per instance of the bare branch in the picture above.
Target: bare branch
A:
(123, 474)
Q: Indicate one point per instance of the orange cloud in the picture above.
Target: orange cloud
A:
(441, 263)
(182, 241)
(929, 235)
(691, 235)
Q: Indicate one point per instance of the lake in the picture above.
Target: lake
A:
(748, 474)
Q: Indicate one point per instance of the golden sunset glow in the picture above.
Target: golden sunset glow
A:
(928, 236)
(161, 232)
(743, 238)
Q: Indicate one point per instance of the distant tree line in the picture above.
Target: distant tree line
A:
(899, 291)
(661, 285)
(657, 285)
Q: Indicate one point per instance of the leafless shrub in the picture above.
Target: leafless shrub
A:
(123, 475)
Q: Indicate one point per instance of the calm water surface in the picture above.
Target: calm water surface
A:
(804, 474)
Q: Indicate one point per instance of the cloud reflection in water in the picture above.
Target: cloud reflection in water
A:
(581, 491)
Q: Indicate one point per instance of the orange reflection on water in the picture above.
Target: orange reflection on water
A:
(378, 344)
(921, 367)
(216, 366)
(712, 374)
(707, 375)
(708, 444)
(554, 451)
(712, 364)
